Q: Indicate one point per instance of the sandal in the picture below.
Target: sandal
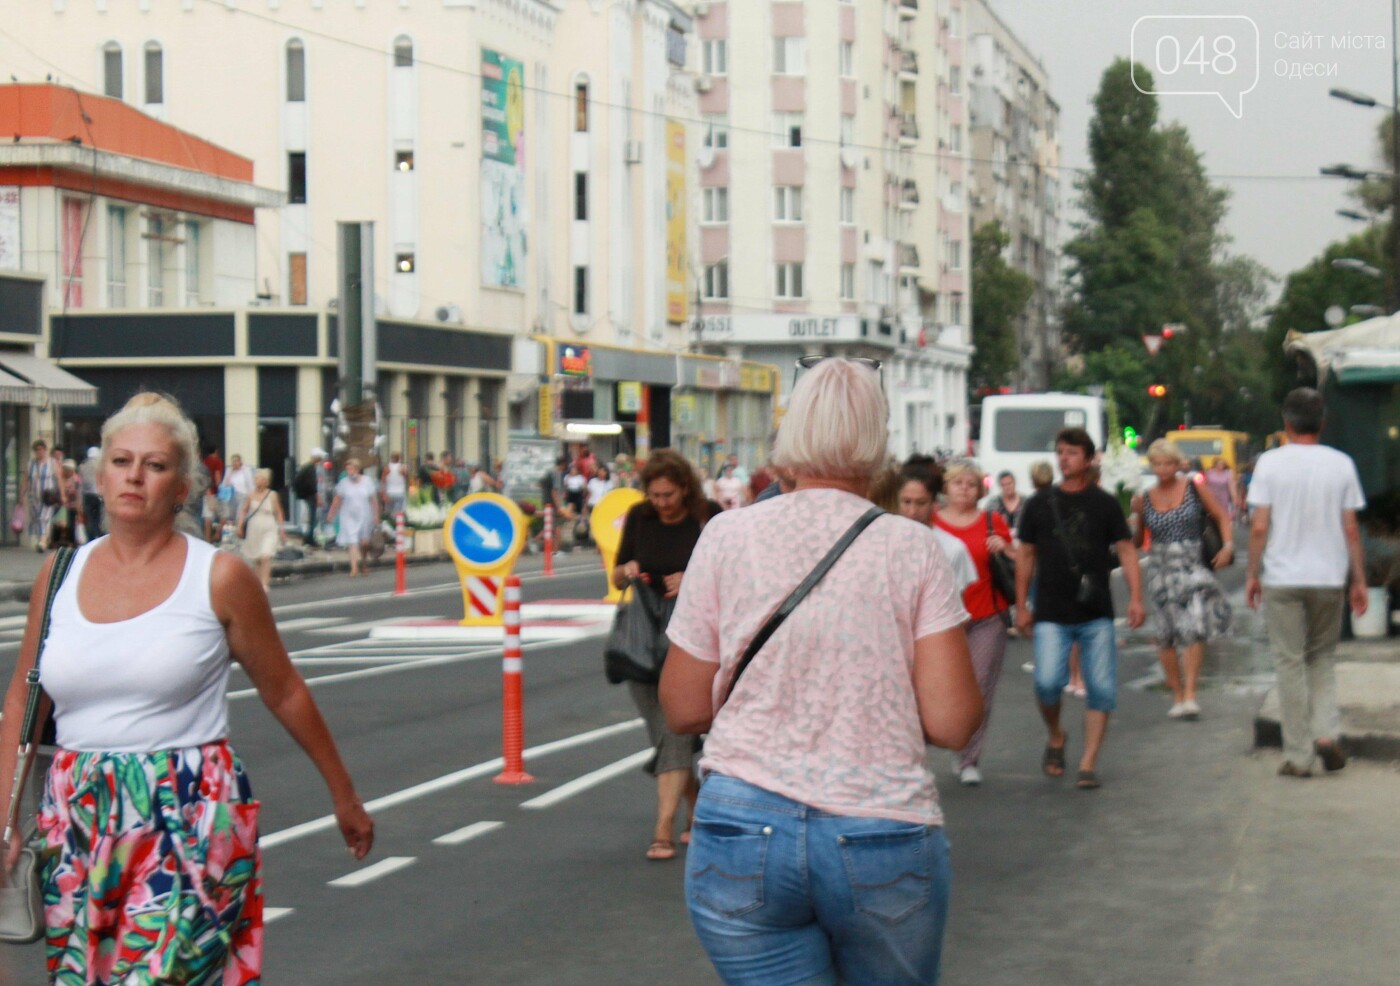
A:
(661, 849)
(1053, 763)
(1331, 754)
(1088, 781)
(1290, 769)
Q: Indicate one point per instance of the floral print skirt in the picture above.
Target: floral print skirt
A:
(1189, 604)
(154, 875)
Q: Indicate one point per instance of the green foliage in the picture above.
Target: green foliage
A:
(1002, 295)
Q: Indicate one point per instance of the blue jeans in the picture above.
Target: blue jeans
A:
(783, 894)
(1098, 659)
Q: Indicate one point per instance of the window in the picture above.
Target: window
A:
(112, 70)
(296, 278)
(580, 195)
(787, 203)
(405, 263)
(192, 265)
(955, 138)
(716, 130)
(955, 309)
(581, 107)
(848, 282)
(789, 56)
(848, 131)
(955, 80)
(847, 59)
(116, 257)
(714, 56)
(717, 281)
(846, 202)
(74, 223)
(955, 192)
(296, 178)
(716, 205)
(955, 254)
(296, 72)
(155, 262)
(155, 74)
(787, 130)
(787, 281)
(954, 22)
(403, 160)
(403, 52)
(580, 290)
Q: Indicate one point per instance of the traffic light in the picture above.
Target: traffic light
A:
(1130, 436)
(1157, 390)
(1168, 332)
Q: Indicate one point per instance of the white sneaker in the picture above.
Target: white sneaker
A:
(970, 776)
(1190, 710)
(1177, 711)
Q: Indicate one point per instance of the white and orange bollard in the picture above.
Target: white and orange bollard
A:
(400, 559)
(513, 692)
(549, 539)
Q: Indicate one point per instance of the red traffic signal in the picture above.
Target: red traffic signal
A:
(1168, 332)
(1157, 390)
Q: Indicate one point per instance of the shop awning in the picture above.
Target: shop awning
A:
(45, 383)
(13, 390)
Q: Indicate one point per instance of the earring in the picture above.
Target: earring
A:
(179, 507)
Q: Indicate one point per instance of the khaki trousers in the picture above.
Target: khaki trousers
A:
(1304, 624)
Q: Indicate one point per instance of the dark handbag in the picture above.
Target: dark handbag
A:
(797, 595)
(49, 497)
(22, 897)
(1003, 570)
(1212, 541)
(637, 644)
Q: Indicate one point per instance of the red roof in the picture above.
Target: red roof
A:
(51, 112)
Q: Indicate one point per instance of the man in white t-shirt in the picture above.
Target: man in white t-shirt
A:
(1304, 498)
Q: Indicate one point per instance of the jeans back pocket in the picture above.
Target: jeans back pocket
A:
(725, 866)
(891, 872)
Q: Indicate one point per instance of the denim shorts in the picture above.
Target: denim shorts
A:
(1098, 660)
(783, 894)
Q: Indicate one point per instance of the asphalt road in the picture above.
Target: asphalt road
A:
(475, 882)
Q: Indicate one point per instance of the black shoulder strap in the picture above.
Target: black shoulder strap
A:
(800, 593)
(1060, 530)
(62, 561)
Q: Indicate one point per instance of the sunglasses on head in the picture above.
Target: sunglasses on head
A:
(807, 362)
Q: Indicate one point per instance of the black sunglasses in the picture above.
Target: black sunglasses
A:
(807, 362)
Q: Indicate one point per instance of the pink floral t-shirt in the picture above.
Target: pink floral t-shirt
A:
(826, 713)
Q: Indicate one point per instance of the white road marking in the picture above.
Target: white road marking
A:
(580, 784)
(446, 781)
(466, 834)
(309, 622)
(12, 634)
(271, 914)
(10, 622)
(356, 627)
(387, 865)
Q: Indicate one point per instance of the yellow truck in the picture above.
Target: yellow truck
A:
(1209, 444)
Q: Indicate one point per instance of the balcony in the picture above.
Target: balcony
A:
(908, 129)
(908, 63)
(908, 194)
(908, 257)
(908, 8)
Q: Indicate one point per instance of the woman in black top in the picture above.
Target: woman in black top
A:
(658, 538)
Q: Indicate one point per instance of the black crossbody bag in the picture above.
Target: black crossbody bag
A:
(797, 595)
(1087, 592)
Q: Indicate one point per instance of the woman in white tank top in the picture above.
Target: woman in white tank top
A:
(145, 791)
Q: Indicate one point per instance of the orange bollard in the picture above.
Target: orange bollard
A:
(400, 562)
(513, 693)
(549, 539)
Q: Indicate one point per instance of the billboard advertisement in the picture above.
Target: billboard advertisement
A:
(9, 228)
(502, 171)
(677, 308)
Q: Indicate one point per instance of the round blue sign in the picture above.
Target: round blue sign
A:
(483, 533)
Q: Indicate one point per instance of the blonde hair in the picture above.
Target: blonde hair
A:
(964, 467)
(1163, 449)
(263, 474)
(835, 424)
(1042, 474)
(150, 407)
(884, 489)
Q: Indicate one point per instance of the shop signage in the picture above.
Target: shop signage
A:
(777, 328)
(575, 361)
(629, 397)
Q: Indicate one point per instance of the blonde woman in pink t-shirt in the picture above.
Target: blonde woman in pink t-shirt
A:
(817, 851)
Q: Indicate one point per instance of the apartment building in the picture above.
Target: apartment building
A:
(1015, 154)
(828, 217)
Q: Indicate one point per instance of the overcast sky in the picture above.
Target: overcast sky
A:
(1288, 127)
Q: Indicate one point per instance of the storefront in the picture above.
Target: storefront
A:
(724, 407)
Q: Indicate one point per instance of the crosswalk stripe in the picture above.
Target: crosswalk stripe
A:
(271, 914)
(465, 834)
(8, 622)
(308, 622)
(354, 627)
(580, 784)
(387, 865)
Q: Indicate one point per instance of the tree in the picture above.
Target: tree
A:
(1002, 293)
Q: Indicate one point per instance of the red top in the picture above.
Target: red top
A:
(980, 599)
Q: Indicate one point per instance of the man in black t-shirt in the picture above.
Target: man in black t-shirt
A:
(1066, 534)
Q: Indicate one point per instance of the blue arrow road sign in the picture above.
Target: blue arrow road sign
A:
(483, 533)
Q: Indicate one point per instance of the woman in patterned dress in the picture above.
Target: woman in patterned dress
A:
(1189, 606)
(154, 874)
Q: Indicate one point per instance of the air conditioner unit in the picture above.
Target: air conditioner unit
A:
(632, 152)
(704, 84)
(448, 313)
